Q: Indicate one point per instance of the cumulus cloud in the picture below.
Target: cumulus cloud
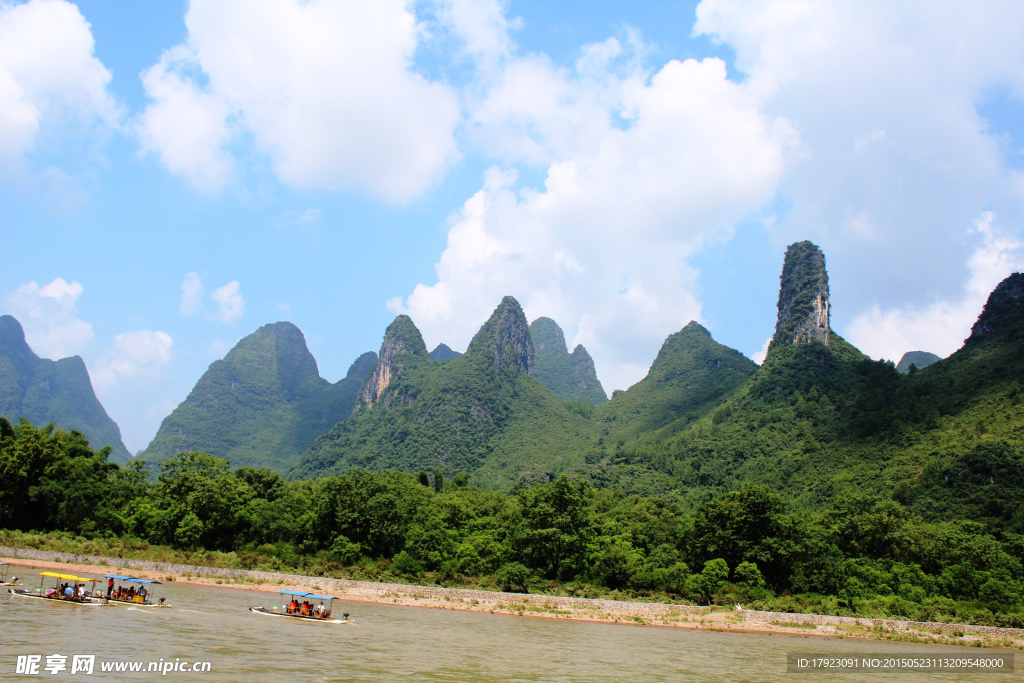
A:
(49, 316)
(942, 326)
(50, 81)
(885, 97)
(603, 248)
(139, 355)
(230, 303)
(191, 294)
(326, 90)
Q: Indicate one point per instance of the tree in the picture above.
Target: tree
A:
(438, 480)
(555, 527)
(424, 479)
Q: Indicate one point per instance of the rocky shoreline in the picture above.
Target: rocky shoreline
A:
(548, 606)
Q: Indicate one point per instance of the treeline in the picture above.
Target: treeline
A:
(856, 555)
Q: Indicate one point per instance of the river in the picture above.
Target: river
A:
(394, 643)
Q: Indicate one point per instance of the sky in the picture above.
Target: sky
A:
(174, 175)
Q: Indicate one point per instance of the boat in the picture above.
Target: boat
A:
(131, 596)
(79, 596)
(3, 576)
(305, 610)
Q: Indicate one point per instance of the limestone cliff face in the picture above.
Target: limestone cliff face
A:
(803, 297)
(505, 338)
(403, 344)
(1005, 305)
(571, 376)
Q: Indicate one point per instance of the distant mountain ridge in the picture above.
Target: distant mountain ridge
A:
(919, 359)
(571, 376)
(262, 405)
(479, 413)
(44, 391)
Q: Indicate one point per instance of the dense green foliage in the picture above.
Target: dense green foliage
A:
(480, 413)
(857, 555)
(262, 405)
(570, 376)
(44, 391)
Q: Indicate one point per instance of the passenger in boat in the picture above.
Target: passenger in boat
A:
(110, 587)
(131, 593)
(69, 592)
(81, 592)
(320, 611)
(142, 592)
(293, 607)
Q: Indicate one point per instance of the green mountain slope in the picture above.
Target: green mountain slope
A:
(443, 352)
(481, 413)
(569, 375)
(44, 391)
(691, 373)
(819, 419)
(919, 359)
(262, 405)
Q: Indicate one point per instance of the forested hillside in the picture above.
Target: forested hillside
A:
(481, 413)
(262, 405)
(44, 391)
(570, 376)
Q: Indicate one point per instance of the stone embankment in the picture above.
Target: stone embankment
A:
(756, 617)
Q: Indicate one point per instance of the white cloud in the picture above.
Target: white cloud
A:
(327, 90)
(50, 81)
(138, 356)
(942, 326)
(186, 125)
(49, 316)
(603, 248)
(230, 303)
(191, 294)
(885, 97)
(760, 355)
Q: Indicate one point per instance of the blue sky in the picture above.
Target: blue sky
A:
(174, 175)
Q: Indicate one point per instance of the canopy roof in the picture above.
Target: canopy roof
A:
(314, 596)
(127, 578)
(66, 577)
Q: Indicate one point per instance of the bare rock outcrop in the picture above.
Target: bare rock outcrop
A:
(1004, 305)
(403, 345)
(803, 297)
(505, 337)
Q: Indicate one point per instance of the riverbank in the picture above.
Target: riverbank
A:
(544, 606)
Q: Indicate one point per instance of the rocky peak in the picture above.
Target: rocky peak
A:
(1004, 304)
(570, 376)
(690, 336)
(278, 348)
(443, 352)
(12, 339)
(547, 336)
(403, 344)
(803, 296)
(505, 337)
(361, 366)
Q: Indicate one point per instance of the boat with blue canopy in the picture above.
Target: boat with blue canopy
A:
(4, 567)
(136, 594)
(301, 607)
(71, 592)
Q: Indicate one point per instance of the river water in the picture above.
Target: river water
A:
(393, 643)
